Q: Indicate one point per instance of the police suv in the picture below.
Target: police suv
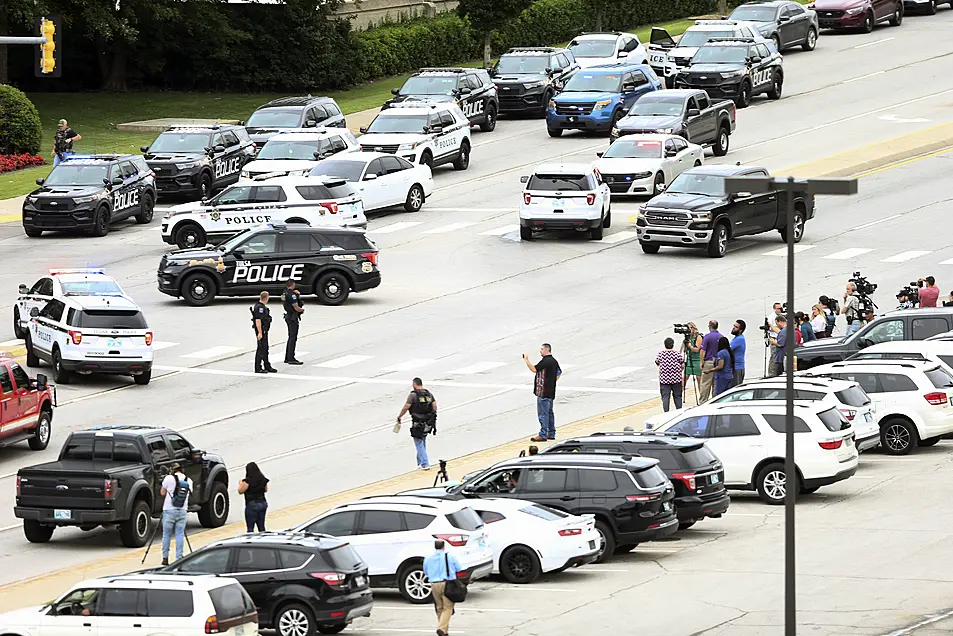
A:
(421, 132)
(328, 262)
(736, 68)
(528, 77)
(197, 160)
(469, 88)
(295, 152)
(311, 201)
(89, 192)
(286, 113)
(60, 283)
(667, 58)
(90, 334)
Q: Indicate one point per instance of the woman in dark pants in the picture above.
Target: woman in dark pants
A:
(254, 486)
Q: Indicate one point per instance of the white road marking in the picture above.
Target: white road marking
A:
(866, 44)
(847, 254)
(205, 354)
(598, 569)
(344, 361)
(479, 367)
(409, 365)
(947, 262)
(396, 630)
(613, 373)
(394, 227)
(428, 608)
(430, 209)
(905, 256)
(452, 227)
(886, 218)
(927, 621)
(11, 343)
(500, 231)
(904, 120)
(161, 344)
(783, 251)
(619, 236)
(7, 528)
(854, 79)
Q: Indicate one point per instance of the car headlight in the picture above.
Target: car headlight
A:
(245, 174)
(184, 166)
(641, 175)
(667, 131)
(602, 104)
(854, 11)
(552, 105)
(701, 216)
(88, 199)
(31, 199)
(410, 146)
(731, 74)
(531, 85)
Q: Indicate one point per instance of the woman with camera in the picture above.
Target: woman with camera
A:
(691, 346)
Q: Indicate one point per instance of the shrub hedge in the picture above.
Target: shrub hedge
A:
(20, 129)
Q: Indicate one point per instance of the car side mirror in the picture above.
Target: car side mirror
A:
(219, 148)
(144, 149)
(116, 181)
(395, 91)
(742, 195)
(549, 71)
(694, 112)
(670, 152)
(238, 254)
(23, 289)
(241, 122)
(863, 343)
(599, 154)
(622, 54)
(205, 201)
(784, 19)
(310, 123)
(436, 129)
(34, 312)
(755, 59)
(466, 90)
(363, 130)
(41, 381)
(524, 179)
(370, 177)
(628, 87)
(40, 181)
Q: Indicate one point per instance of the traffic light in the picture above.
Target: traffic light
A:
(48, 63)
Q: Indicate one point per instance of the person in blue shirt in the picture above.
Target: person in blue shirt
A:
(441, 567)
(804, 324)
(739, 347)
(724, 366)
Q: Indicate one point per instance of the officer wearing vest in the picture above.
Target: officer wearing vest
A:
(423, 414)
(294, 307)
(261, 323)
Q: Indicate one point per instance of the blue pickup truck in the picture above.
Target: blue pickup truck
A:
(594, 99)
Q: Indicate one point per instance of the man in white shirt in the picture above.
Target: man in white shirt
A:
(176, 488)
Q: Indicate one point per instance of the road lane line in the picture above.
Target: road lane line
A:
(927, 621)
(500, 231)
(947, 262)
(613, 373)
(860, 77)
(394, 227)
(619, 236)
(430, 209)
(783, 251)
(343, 361)
(212, 352)
(886, 218)
(847, 254)
(409, 365)
(902, 257)
(866, 44)
(158, 345)
(452, 227)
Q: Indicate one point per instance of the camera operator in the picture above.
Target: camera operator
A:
(930, 294)
(949, 302)
(903, 299)
(772, 318)
(778, 341)
(851, 309)
(830, 314)
(691, 347)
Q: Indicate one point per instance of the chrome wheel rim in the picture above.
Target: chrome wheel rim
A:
(293, 623)
(775, 484)
(897, 437)
(219, 504)
(418, 587)
(43, 430)
(811, 39)
(722, 240)
(724, 140)
(798, 227)
(416, 197)
(142, 524)
(602, 542)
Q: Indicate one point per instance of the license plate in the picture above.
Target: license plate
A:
(592, 545)
(239, 630)
(572, 119)
(113, 342)
(714, 479)
(63, 515)
(359, 580)
(870, 418)
(667, 505)
(558, 203)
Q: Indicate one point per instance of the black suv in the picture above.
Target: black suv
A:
(326, 261)
(293, 112)
(528, 77)
(469, 88)
(89, 192)
(198, 160)
(299, 582)
(736, 68)
(695, 472)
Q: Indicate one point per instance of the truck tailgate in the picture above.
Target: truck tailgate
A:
(58, 485)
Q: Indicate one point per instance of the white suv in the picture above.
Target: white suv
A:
(564, 196)
(91, 334)
(749, 439)
(597, 49)
(938, 351)
(82, 281)
(913, 399)
(295, 152)
(848, 397)
(172, 605)
(394, 534)
(421, 132)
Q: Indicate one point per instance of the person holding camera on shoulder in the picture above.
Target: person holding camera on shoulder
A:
(691, 348)
(851, 309)
(930, 294)
(423, 415)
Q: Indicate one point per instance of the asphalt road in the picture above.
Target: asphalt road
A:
(463, 298)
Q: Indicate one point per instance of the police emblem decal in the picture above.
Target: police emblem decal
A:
(215, 216)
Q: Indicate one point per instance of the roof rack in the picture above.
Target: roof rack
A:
(207, 126)
(899, 363)
(445, 69)
(715, 22)
(145, 576)
(741, 39)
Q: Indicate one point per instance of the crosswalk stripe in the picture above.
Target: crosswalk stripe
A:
(613, 373)
(618, 237)
(394, 227)
(212, 352)
(847, 254)
(409, 365)
(11, 343)
(161, 344)
(947, 262)
(478, 367)
(783, 251)
(905, 256)
(343, 361)
(500, 231)
(443, 229)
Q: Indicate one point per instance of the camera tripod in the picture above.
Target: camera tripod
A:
(441, 477)
(690, 368)
(152, 538)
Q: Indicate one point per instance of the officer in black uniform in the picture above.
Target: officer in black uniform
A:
(261, 323)
(293, 310)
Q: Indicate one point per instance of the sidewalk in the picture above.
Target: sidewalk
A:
(10, 209)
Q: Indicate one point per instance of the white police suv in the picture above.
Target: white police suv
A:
(295, 152)
(565, 196)
(82, 281)
(90, 334)
(431, 133)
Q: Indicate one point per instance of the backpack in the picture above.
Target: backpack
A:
(181, 493)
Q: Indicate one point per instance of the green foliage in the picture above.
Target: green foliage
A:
(20, 129)
(487, 16)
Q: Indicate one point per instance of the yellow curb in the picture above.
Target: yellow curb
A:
(10, 218)
(15, 352)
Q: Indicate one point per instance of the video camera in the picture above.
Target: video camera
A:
(912, 292)
(864, 287)
(683, 330)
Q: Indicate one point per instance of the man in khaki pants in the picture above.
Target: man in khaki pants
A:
(441, 567)
(707, 354)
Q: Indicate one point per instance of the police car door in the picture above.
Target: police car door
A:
(250, 267)
(296, 259)
(231, 211)
(634, 85)
(228, 164)
(762, 69)
(473, 103)
(126, 196)
(45, 329)
(37, 297)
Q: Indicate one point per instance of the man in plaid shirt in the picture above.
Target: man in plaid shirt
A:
(671, 365)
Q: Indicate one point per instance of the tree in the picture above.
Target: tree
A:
(488, 16)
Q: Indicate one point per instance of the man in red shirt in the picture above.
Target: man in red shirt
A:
(929, 294)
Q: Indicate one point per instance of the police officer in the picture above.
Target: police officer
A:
(261, 321)
(293, 310)
(423, 414)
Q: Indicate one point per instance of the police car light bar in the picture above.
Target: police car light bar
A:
(601, 33)
(269, 175)
(78, 270)
(418, 103)
(545, 49)
(445, 69)
(715, 22)
(742, 39)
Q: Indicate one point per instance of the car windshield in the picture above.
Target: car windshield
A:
(350, 170)
(277, 149)
(522, 64)
(77, 175)
(179, 142)
(91, 288)
(658, 106)
(753, 14)
(429, 85)
(593, 48)
(385, 123)
(697, 38)
(701, 184)
(558, 182)
(274, 118)
(634, 149)
(233, 242)
(721, 55)
(582, 82)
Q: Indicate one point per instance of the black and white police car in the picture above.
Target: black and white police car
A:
(528, 77)
(326, 261)
(469, 88)
(198, 160)
(285, 113)
(310, 201)
(736, 68)
(89, 192)
(295, 152)
(421, 132)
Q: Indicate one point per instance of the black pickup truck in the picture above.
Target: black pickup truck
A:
(695, 211)
(112, 475)
(686, 112)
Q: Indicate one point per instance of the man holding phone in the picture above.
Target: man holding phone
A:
(544, 387)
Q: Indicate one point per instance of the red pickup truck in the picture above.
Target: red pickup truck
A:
(26, 406)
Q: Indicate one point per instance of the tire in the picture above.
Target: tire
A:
(18, 332)
(143, 378)
(60, 375)
(898, 436)
(413, 585)
(426, 159)
(744, 95)
(44, 430)
(526, 233)
(798, 228)
(295, 619)
(625, 548)
(333, 289)
(555, 132)
(595, 234)
(897, 18)
(100, 222)
(32, 360)
(190, 235)
(463, 160)
(868, 23)
(930, 441)
(198, 290)
(146, 210)
(718, 245)
(808, 491)
(685, 525)
(606, 540)
(134, 531)
(415, 198)
(650, 248)
(337, 628)
(810, 41)
(777, 42)
(519, 565)
(546, 98)
(720, 148)
(616, 116)
(214, 512)
(777, 84)
(931, 8)
(32, 232)
(658, 184)
(205, 186)
(607, 221)
(489, 123)
(771, 483)
(36, 532)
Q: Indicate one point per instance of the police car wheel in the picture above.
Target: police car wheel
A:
(143, 378)
(32, 360)
(146, 210)
(18, 331)
(810, 41)
(333, 288)
(198, 290)
(526, 233)
(595, 233)
(415, 199)
(489, 122)
(205, 185)
(190, 235)
(32, 232)
(462, 161)
(931, 8)
(101, 222)
(658, 184)
(60, 375)
(555, 132)
(776, 85)
(744, 95)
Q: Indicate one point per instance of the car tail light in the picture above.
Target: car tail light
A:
(936, 399)
(686, 478)
(849, 414)
(337, 614)
(371, 256)
(77, 336)
(211, 625)
(331, 578)
(832, 445)
(331, 207)
(148, 338)
(527, 197)
(18, 485)
(456, 540)
(110, 488)
(591, 198)
(642, 498)
(570, 532)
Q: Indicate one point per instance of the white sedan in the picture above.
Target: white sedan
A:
(643, 164)
(529, 539)
(384, 180)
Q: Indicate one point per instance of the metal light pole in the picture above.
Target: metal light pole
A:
(791, 189)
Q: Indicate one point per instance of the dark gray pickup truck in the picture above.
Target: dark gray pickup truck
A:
(112, 475)
(686, 112)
